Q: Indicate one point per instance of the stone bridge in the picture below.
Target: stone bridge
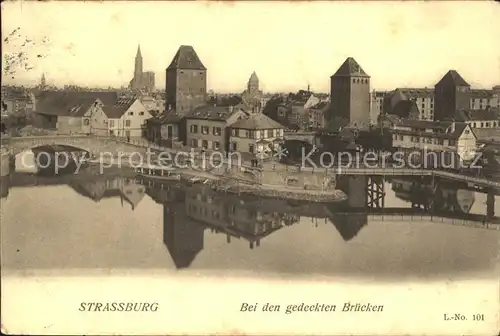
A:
(92, 144)
(309, 137)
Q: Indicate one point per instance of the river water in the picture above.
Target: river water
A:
(111, 222)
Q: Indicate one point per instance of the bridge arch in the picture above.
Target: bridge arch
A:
(47, 156)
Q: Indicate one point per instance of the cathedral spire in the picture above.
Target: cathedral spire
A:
(42, 81)
(138, 68)
(138, 55)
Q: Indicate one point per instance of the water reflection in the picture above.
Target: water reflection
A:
(386, 228)
(103, 187)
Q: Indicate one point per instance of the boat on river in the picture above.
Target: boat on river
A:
(159, 173)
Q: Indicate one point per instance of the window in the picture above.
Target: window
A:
(487, 124)
(127, 134)
(452, 142)
(482, 125)
(216, 145)
(194, 143)
(127, 123)
(265, 134)
(217, 131)
(111, 123)
(466, 132)
(141, 113)
(86, 121)
(247, 134)
(204, 129)
(234, 146)
(194, 128)
(204, 144)
(251, 148)
(440, 142)
(131, 113)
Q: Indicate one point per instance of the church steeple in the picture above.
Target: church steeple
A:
(138, 64)
(138, 55)
(42, 81)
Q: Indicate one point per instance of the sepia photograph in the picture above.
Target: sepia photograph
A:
(250, 167)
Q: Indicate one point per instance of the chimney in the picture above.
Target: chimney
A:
(230, 108)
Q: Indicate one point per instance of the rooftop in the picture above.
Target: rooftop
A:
(481, 93)
(118, 109)
(212, 112)
(350, 68)
(478, 115)
(444, 129)
(257, 121)
(62, 103)
(186, 58)
(417, 92)
(452, 77)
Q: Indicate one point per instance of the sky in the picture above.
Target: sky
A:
(289, 45)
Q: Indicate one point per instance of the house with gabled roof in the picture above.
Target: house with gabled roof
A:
(207, 126)
(73, 112)
(98, 113)
(126, 117)
(256, 134)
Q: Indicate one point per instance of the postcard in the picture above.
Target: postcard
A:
(250, 168)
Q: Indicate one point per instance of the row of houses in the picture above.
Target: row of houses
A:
(303, 110)
(420, 103)
(453, 137)
(96, 113)
(217, 128)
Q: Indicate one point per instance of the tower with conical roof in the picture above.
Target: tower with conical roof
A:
(451, 94)
(186, 81)
(350, 94)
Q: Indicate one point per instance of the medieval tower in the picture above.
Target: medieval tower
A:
(350, 94)
(186, 81)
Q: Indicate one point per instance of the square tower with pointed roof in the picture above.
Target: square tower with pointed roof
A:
(451, 94)
(186, 81)
(350, 94)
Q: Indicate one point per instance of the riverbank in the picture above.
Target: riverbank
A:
(240, 186)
